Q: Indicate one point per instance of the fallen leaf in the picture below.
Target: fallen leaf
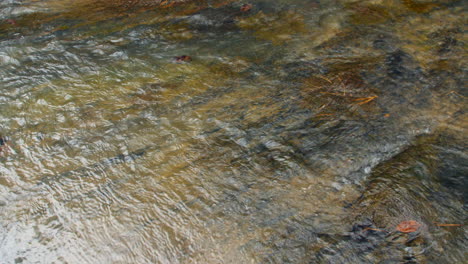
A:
(408, 226)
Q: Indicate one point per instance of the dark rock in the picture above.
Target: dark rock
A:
(303, 69)
(214, 19)
(394, 63)
(447, 44)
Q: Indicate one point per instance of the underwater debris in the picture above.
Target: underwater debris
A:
(375, 229)
(408, 226)
(246, 7)
(365, 100)
(447, 225)
(339, 93)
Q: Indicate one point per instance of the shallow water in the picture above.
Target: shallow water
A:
(301, 131)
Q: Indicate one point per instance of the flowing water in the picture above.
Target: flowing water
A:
(302, 131)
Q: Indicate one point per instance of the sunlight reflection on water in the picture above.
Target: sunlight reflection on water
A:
(298, 130)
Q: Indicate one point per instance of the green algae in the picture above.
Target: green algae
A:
(101, 18)
(369, 14)
(425, 37)
(419, 7)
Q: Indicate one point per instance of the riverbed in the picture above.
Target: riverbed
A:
(292, 132)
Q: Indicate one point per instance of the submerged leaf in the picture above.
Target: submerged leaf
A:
(408, 226)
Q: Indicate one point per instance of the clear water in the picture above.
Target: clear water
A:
(300, 132)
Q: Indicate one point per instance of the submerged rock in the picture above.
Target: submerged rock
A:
(183, 58)
(278, 28)
(246, 7)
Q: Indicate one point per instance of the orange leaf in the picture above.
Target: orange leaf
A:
(408, 226)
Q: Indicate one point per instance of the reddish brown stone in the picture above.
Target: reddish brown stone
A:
(183, 58)
(246, 7)
(11, 21)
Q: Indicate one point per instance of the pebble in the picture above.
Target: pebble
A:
(11, 21)
(183, 58)
(246, 7)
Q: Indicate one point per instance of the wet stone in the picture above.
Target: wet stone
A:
(447, 44)
(246, 7)
(419, 6)
(303, 69)
(369, 15)
(394, 64)
(219, 19)
(20, 260)
(367, 234)
(385, 42)
(183, 58)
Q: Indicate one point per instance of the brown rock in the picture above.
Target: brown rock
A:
(183, 58)
(246, 7)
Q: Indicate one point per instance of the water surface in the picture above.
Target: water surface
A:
(300, 132)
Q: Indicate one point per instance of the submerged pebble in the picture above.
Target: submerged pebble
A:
(183, 58)
(11, 22)
(246, 7)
